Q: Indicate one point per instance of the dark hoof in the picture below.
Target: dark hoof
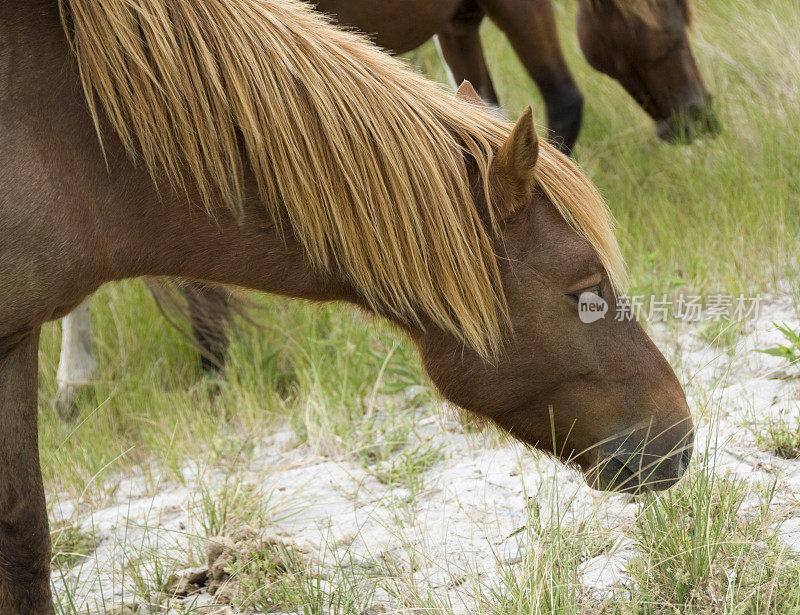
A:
(66, 401)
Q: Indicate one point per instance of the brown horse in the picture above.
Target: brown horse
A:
(249, 142)
(641, 43)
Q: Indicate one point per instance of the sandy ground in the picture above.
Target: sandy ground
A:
(461, 527)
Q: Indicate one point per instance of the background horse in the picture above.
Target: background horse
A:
(641, 44)
(208, 306)
(251, 143)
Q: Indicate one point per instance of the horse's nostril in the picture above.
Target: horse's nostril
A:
(614, 473)
(631, 465)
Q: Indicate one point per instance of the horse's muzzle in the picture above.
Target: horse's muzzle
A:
(688, 122)
(641, 469)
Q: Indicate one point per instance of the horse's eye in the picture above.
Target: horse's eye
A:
(595, 290)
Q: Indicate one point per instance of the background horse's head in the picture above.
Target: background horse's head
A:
(644, 46)
(580, 382)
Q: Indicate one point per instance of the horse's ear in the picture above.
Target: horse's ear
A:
(513, 172)
(466, 92)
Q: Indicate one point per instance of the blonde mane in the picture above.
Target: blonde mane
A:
(362, 156)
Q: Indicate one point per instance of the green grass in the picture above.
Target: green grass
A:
(790, 351)
(545, 577)
(779, 435)
(321, 369)
(722, 333)
(700, 553)
(720, 215)
(70, 544)
(236, 504)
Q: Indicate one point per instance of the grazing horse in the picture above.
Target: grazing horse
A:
(641, 43)
(252, 143)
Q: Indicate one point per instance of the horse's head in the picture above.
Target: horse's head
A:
(644, 46)
(573, 378)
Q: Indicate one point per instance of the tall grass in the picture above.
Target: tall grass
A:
(319, 369)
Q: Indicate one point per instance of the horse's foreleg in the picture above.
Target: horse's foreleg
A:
(459, 44)
(24, 533)
(209, 309)
(530, 26)
(76, 365)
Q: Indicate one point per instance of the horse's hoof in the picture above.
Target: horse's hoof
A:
(66, 402)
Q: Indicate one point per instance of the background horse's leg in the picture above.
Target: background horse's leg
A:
(24, 533)
(209, 308)
(459, 44)
(76, 365)
(530, 26)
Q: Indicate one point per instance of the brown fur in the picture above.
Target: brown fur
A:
(646, 10)
(24, 564)
(641, 9)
